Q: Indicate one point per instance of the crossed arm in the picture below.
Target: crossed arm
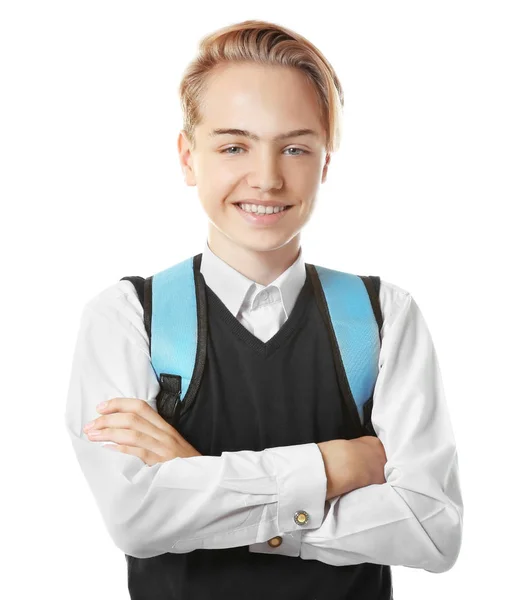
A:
(245, 498)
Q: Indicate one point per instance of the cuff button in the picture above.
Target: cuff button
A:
(275, 541)
(301, 517)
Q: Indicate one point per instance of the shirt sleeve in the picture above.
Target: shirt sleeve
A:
(237, 499)
(415, 518)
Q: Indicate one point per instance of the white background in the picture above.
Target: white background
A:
(427, 191)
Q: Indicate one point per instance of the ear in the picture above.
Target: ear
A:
(185, 158)
(325, 167)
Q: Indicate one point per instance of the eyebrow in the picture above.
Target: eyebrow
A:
(253, 136)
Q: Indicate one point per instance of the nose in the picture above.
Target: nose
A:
(265, 174)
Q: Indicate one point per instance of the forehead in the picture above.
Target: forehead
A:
(262, 97)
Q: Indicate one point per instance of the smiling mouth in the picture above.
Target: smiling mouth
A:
(251, 212)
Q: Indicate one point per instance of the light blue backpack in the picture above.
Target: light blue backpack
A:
(175, 319)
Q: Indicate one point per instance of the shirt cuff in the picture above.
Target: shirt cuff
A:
(302, 486)
(289, 544)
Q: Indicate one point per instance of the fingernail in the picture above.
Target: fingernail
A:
(88, 425)
(102, 405)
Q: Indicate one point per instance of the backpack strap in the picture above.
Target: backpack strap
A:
(174, 303)
(143, 287)
(351, 310)
(372, 283)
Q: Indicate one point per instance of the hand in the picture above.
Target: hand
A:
(139, 430)
(352, 464)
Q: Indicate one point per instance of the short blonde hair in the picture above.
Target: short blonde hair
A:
(265, 43)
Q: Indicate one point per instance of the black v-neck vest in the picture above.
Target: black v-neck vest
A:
(255, 395)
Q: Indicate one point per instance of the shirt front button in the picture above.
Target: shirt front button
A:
(275, 541)
(301, 517)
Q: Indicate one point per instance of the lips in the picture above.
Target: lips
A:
(262, 219)
(285, 206)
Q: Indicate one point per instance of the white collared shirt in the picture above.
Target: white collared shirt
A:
(246, 498)
(261, 309)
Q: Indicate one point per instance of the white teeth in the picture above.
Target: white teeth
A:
(260, 209)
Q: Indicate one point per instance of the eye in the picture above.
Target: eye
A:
(230, 148)
(300, 149)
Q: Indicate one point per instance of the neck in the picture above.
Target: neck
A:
(261, 266)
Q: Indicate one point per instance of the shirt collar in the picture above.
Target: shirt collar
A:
(232, 287)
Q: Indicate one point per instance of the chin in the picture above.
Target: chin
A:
(265, 242)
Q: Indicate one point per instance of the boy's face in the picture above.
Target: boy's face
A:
(266, 101)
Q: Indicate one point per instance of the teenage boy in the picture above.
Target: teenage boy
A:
(263, 489)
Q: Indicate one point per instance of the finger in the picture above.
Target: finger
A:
(149, 458)
(133, 421)
(127, 437)
(139, 407)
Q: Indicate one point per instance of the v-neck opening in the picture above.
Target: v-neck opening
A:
(252, 341)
